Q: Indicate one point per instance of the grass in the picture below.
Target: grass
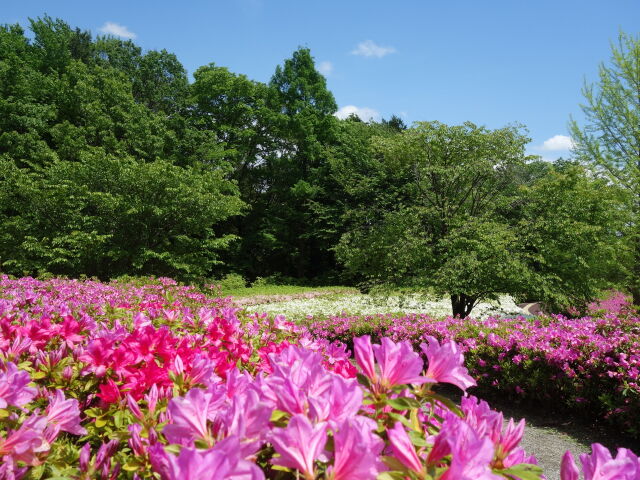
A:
(283, 290)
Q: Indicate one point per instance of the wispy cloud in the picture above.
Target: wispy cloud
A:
(557, 143)
(112, 28)
(364, 113)
(325, 68)
(369, 48)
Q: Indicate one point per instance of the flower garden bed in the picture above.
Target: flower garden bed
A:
(160, 381)
(590, 365)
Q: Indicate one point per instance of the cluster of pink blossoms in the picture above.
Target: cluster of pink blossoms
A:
(589, 364)
(112, 381)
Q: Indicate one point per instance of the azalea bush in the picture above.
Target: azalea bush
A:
(590, 365)
(161, 381)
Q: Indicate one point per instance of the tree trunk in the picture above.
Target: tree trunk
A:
(635, 280)
(462, 304)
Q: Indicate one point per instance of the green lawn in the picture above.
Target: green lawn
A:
(283, 290)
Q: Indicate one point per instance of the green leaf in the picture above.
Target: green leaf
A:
(403, 403)
(450, 404)
(363, 380)
(523, 471)
(391, 476)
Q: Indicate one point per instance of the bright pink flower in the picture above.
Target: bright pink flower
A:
(446, 363)
(601, 466)
(511, 437)
(109, 392)
(14, 389)
(357, 451)
(471, 454)
(403, 449)
(364, 356)
(189, 418)
(65, 414)
(399, 364)
(219, 462)
(568, 468)
(24, 444)
(299, 444)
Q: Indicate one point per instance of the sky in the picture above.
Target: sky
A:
(493, 63)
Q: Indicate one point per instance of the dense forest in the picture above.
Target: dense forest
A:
(112, 162)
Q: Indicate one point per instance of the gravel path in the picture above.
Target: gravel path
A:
(548, 435)
(548, 445)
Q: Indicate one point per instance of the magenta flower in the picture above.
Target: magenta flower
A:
(222, 461)
(568, 468)
(14, 389)
(446, 363)
(299, 444)
(65, 414)
(189, 418)
(403, 449)
(471, 455)
(600, 465)
(398, 363)
(24, 444)
(357, 451)
(364, 356)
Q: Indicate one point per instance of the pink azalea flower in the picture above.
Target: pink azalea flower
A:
(446, 363)
(600, 465)
(221, 461)
(299, 444)
(398, 363)
(357, 451)
(403, 449)
(24, 444)
(14, 389)
(65, 414)
(189, 418)
(568, 468)
(364, 356)
(471, 455)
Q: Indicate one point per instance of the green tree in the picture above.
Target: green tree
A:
(109, 216)
(459, 210)
(610, 139)
(291, 174)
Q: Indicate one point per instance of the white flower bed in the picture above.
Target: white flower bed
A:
(357, 304)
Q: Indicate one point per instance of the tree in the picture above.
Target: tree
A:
(610, 140)
(108, 216)
(431, 220)
(303, 125)
(458, 210)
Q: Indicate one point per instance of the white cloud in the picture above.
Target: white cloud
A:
(112, 28)
(369, 48)
(325, 68)
(364, 113)
(557, 142)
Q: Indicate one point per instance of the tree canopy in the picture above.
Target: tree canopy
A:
(610, 138)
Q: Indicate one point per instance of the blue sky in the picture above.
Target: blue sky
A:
(490, 62)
